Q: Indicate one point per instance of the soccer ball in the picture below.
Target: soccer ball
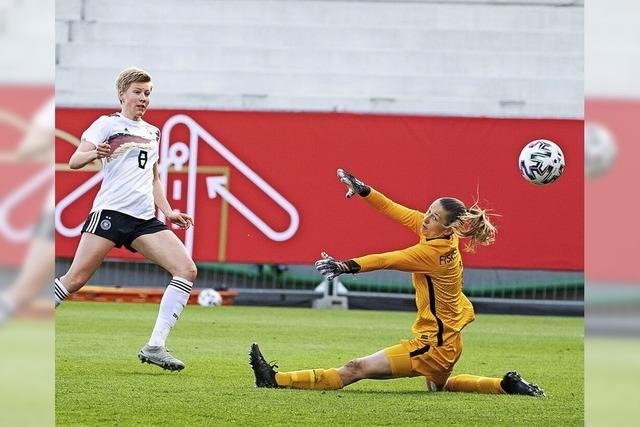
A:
(209, 298)
(600, 150)
(541, 162)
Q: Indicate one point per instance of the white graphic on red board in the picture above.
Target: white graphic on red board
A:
(11, 202)
(180, 154)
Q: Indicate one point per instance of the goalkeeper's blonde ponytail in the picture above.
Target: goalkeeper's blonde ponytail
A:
(474, 223)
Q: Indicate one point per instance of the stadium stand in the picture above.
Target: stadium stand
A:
(486, 58)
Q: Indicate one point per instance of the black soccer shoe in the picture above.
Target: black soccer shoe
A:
(264, 372)
(512, 383)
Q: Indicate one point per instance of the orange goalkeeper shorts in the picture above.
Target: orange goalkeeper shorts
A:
(416, 357)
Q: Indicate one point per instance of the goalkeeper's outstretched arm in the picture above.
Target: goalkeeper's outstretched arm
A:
(408, 217)
(354, 185)
(419, 258)
(330, 268)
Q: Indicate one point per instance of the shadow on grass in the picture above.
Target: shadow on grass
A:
(383, 392)
(155, 373)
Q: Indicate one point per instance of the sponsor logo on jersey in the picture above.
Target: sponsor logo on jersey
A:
(122, 142)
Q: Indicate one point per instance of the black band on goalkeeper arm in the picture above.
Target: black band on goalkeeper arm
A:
(349, 266)
(366, 190)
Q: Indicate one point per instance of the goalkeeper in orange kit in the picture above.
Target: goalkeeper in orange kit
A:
(443, 310)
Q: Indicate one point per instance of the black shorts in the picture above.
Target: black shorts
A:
(122, 229)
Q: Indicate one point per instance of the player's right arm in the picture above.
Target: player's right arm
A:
(92, 145)
(408, 217)
(86, 153)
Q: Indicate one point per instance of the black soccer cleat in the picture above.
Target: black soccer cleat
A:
(264, 372)
(512, 383)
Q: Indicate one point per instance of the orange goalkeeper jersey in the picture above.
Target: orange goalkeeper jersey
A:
(436, 267)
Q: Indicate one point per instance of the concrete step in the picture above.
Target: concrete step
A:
(373, 61)
(321, 92)
(463, 15)
(326, 37)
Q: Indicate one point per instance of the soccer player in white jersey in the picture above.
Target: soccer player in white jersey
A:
(123, 212)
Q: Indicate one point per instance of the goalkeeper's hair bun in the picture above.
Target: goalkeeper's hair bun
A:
(474, 222)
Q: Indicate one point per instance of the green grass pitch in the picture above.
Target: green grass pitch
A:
(100, 381)
(27, 372)
(612, 369)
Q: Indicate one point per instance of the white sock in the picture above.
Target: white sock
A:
(60, 293)
(173, 301)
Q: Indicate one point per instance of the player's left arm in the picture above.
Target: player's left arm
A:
(415, 259)
(182, 220)
(419, 258)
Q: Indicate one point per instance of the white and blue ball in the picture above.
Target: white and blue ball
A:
(600, 150)
(541, 162)
(209, 298)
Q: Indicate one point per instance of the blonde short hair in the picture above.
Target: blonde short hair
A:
(129, 76)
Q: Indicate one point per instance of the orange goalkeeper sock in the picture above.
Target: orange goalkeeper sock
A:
(474, 384)
(312, 379)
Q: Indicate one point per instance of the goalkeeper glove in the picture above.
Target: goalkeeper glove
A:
(354, 184)
(331, 268)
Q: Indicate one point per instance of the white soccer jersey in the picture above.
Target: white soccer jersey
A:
(127, 185)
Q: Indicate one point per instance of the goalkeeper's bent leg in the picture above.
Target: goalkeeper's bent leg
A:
(311, 379)
(474, 384)
(375, 366)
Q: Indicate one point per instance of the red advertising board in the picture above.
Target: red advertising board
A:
(611, 200)
(262, 185)
(24, 184)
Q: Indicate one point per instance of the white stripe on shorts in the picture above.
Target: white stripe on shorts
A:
(94, 222)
